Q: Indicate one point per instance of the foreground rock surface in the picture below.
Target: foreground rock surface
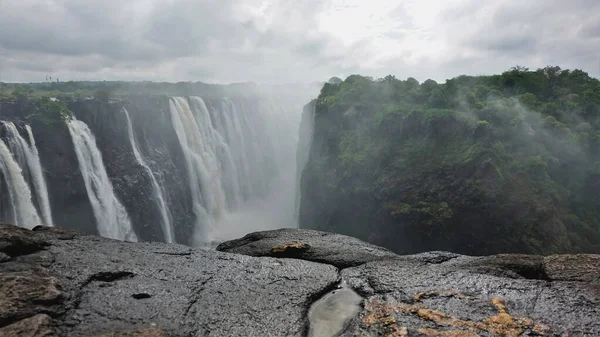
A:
(61, 283)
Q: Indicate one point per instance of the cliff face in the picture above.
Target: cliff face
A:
(230, 157)
(149, 116)
(67, 192)
(417, 168)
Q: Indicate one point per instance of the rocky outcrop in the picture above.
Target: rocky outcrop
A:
(334, 249)
(61, 283)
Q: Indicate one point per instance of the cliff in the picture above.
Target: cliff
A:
(57, 282)
(69, 200)
(477, 165)
(195, 164)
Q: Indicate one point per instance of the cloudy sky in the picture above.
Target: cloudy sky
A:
(270, 41)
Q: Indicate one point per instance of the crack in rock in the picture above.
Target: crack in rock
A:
(110, 276)
(196, 295)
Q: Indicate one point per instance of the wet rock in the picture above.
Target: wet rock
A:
(15, 241)
(335, 249)
(470, 296)
(508, 265)
(151, 332)
(55, 233)
(36, 326)
(116, 286)
(27, 293)
(582, 267)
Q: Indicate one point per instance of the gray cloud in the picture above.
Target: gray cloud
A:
(288, 40)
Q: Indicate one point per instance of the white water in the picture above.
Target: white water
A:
(24, 213)
(111, 217)
(206, 206)
(159, 193)
(241, 165)
(28, 157)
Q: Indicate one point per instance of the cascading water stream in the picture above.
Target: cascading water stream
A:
(159, 194)
(28, 157)
(204, 204)
(241, 167)
(24, 212)
(111, 217)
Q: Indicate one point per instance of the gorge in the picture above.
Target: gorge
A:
(477, 165)
(133, 211)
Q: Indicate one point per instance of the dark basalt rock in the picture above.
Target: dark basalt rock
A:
(16, 241)
(335, 249)
(151, 332)
(582, 267)
(102, 287)
(83, 285)
(475, 296)
(36, 326)
(26, 293)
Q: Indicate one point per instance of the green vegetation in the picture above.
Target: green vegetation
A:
(48, 101)
(108, 89)
(478, 164)
(49, 111)
(52, 111)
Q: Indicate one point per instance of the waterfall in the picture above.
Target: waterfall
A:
(28, 159)
(111, 217)
(24, 213)
(202, 180)
(159, 192)
(241, 165)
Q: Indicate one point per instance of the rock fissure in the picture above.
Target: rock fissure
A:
(174, 254)
(196, 290)
(109, 276)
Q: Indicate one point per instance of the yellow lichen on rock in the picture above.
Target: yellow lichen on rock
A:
(381, 315)
(502, 324)
(499, 304)
(289, 246)
(398, 332)
(378, 314)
